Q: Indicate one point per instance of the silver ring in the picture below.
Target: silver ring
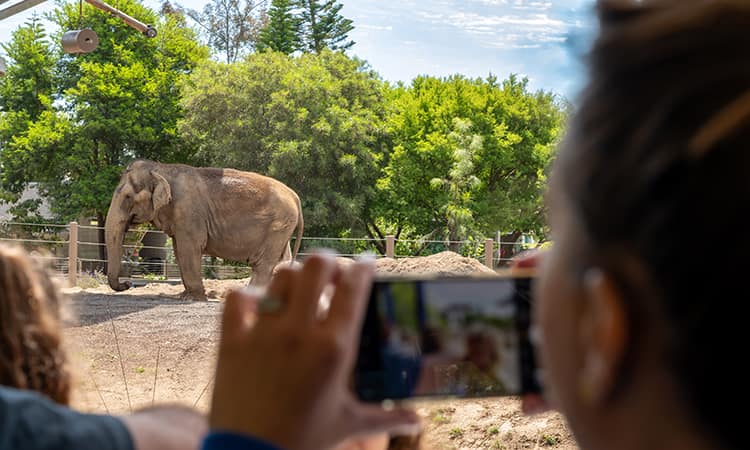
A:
(269, 304)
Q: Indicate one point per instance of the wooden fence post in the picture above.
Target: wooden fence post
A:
(489, 246)
(73, 254)
(390, 246)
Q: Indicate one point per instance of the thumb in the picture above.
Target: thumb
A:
(374, 419)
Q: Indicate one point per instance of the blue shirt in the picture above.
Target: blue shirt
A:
(233, 441)
(30, 421)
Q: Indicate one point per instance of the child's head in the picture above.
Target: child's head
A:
(31, 356)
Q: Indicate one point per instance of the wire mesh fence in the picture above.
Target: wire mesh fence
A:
(148, 254)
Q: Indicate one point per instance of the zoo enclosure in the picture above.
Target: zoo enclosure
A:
(149, 256)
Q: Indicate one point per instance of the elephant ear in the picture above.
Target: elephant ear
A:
(162, 192)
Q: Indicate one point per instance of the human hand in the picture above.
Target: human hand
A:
(531, 403)
(285, 379)
(374, 442)
(166, 427)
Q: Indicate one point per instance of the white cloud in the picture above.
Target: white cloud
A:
(530, 29)
(375, 27)
(517, 4)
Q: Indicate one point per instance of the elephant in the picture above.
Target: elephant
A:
(231, 214)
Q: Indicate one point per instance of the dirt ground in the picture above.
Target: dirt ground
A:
(165, 348)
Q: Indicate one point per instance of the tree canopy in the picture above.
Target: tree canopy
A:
(450, 158)
(323, 26)
(316, 122)
(469, 158)
(282, 31)
(232, 27)
(98, 110)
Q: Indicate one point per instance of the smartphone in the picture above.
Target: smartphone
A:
(453, 337)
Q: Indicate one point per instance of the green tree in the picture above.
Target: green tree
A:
(513, 164)
(232, 27)
(27, 85)
(282, 31)
(518, 131)
(460, 184)
(112, 105)
(323, 26)
(25, 93)
(315, 122)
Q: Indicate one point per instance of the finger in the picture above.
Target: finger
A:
(280, 286)
(373, 419)
(239, 309)
(307, 286)
(349, 301)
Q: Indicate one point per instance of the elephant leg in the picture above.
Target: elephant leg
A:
(188, 256)
(262, 273)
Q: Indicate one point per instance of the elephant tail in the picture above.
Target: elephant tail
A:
(300, 229)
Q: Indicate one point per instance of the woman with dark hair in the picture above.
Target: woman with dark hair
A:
(641, 313)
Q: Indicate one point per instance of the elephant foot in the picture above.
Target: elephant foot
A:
(193, 296)
(124, 286)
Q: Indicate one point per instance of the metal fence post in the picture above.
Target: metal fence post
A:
(73, 254)
(489, 246)
(390, 246)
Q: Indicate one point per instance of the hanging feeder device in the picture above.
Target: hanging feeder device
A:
(80, 41)
(85, 40)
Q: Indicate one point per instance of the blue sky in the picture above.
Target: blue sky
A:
(540, 39)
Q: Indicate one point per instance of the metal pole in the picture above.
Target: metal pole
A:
(148, 30)
(18, 7)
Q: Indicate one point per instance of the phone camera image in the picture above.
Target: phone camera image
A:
(446, 337)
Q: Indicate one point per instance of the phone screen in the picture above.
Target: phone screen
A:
(462, 337)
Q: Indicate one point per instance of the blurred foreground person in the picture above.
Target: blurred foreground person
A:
(640, 310)
(32, 359)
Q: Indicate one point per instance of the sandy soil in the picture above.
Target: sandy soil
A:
(164, 348)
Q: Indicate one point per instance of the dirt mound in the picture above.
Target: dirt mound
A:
(444, 264)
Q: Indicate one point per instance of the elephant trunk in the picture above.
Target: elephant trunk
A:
(114, 231)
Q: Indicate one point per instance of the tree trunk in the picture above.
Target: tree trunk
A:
(507, 246)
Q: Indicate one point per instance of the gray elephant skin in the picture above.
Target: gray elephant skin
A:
(231, 214)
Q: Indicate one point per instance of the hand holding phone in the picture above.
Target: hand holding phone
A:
(465, 337)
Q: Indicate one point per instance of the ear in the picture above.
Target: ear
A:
(604, 337)
(162, 192)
